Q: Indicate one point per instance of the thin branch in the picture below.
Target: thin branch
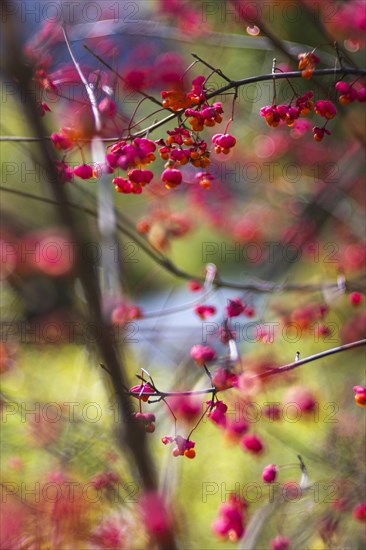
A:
(315, 357)
(89, 91)
(271, 372)
(116, 73)
(217, 71)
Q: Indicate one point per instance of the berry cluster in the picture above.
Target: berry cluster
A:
(184, 144)
(233, 429)
(348, 93)
(177, 99)
(132, 156)
(224, 379)
(200, 114)
(208, 116)
(173, 151)
(64, 140)
(136, 180)
(218, 412)
(276, 115)
(124, 313)
(147, 420)
(288, 114)
(307, 63)
(183, 446)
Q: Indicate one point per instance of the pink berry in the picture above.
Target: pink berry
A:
(186, 407)
(269, 473)
(107, 107)
(223, 379)
(302, 398)
(272, 411)
(140, 176)
(319, 133)
(171, 177)
(252, 443)
(355, 298)
(217, 414)
(342, 87)
(61, 142)
(223, 142)
(149, 417)
(359, 512)
(235, 308)
(65, 173)
(230, 522)
(202, 354)
(280, 543)
(325, 108)
(84, 171)
(194, 286)
(226, 141)
(361, 95)
(236, 429)
(204, 312)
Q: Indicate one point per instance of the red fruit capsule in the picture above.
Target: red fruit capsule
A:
(269, 473)
(360, 397)
(359, 512)
(146, 388)
(355, 298)
(252, 443)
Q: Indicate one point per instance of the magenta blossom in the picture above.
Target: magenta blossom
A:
(84, 171)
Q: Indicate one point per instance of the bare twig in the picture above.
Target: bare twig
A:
(266, 374)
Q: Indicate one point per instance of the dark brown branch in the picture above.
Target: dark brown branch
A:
(271, 372)
(234, 84)
(311, 358)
